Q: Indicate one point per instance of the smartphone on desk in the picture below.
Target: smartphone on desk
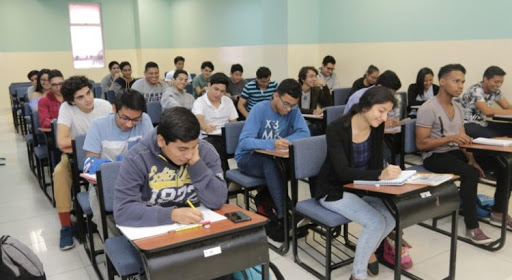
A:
(237, 217)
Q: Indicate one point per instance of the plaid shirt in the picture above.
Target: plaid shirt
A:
(48, 110)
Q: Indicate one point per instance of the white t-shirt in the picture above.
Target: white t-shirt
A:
(215, 116)
(78, 121)
(170, 76)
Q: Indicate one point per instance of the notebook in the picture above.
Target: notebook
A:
(402, 179)
(493, 142)
(431, 179)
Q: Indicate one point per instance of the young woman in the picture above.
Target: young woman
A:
(422, 90)
(369, 79)
(354, 151)
(42, 88)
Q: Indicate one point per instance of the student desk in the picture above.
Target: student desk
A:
(202, 253)
(313, 117)
(411, 204)
(506, 118)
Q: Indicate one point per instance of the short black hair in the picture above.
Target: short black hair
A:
(112, 63)
(447, 69)
(494, 71)
(130, 99)
(263, 72)
(328, 59)
(32, 73)
(123, 64)
(290, 87)
(178, 59)
(150, 64)
(390, 80)
(208, 64)
(54, 73)
(178, 123)
(219, 78)
(304, 72)
(236, 67)
(72, 85)
(43, 71)
(178, 72)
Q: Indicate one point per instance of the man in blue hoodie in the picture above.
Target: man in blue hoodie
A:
(164, 170)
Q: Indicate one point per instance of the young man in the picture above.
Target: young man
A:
(150, 86)
(477, 102)
(213, 110)
(164, 170)
(75, 116)
(315, 96)
(327, 74)
(200, 82)
(125, 80)
(32, 77)
(236, 81)
(439, 131)
(256, 91)
(272, 124)
(176, 95)
(110, 137)
(179, 64)
(48, 105)
(107, 83)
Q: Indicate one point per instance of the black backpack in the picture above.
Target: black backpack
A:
(18, 262)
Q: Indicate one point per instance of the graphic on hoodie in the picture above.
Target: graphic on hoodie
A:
(170, 187)
(271, 129)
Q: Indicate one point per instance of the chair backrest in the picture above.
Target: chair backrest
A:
(403, 108)
(14, 86)
(37, 135)
(110, 96)
(192, 75)
(340, 96)
(409, 136)
(189, 88)
(333, 113)
(78, 151)
(307, 156)
(231, 133)
(97, 90)
(106, 177)
(21, 93)
(154, 111)
(247, 80)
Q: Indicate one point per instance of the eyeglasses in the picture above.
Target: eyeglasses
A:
(127, 119)
(288, 105)
(56, 85)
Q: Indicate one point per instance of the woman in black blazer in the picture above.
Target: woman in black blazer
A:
(417, 95)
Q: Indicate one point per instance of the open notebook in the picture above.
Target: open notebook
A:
(404, 176)
(134, 233)
(493, 142)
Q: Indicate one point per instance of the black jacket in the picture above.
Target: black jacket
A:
(320, 96)
(412, 93)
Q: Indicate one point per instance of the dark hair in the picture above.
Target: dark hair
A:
(124, 63)
(219, 78)
(390, 80)
(72, 85)
(43, 71)
(263, 72)
(32, 73)
(54, 73)
(447, 69)
(328, 59)
(371, 69)
(236, 67)
(493, 71)
(373, 96)
(420, 79)
(304, 72)
(112, 63)
(178, 59)
(208, 64)
(150, 64)
(178, 72)
(130, 99)
(290, 87)
(178, 123)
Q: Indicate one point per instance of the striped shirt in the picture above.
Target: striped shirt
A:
(253, 94)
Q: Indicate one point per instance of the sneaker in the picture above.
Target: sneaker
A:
(373, 269)
(495, 221)
(477, 236)
(66, 238)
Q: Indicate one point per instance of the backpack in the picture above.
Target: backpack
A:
(18, 261)
(484, 205)
(265, 206)
(255, 273)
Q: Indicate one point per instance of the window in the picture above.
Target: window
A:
(86, 35)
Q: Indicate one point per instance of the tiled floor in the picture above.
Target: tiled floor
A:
(27, 215)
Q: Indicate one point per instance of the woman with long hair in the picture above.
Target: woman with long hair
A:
(422, 90)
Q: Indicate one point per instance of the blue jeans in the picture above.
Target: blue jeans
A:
(258, 165)
(377, 222)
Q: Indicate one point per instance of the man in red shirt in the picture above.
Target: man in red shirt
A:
(48, 106)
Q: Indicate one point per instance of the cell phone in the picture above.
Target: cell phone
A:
(237, 217)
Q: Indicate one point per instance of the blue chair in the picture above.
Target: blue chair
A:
(307, 157)
(409, 145)
(333, 113)
(15, 104)
(189, 88)
(154, 111)
(340, 96)
(40, 150)
(97, 90)
(29, 137)
(120, 255)
(110, 96)
(247, 80)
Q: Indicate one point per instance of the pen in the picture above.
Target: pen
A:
(190, 204)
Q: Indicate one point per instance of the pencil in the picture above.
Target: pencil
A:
(190, 204)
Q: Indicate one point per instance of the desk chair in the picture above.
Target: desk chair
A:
(340, 96)
(110, 96)
(41, 155)
(15, 104)
(120, 255)
(154, 111)
(408, 145)
(403, 108)
(333, 113)
(97, 90)
(189, 88)
(29, 137)
(82, 205)
(21, 98)
(307, 157)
